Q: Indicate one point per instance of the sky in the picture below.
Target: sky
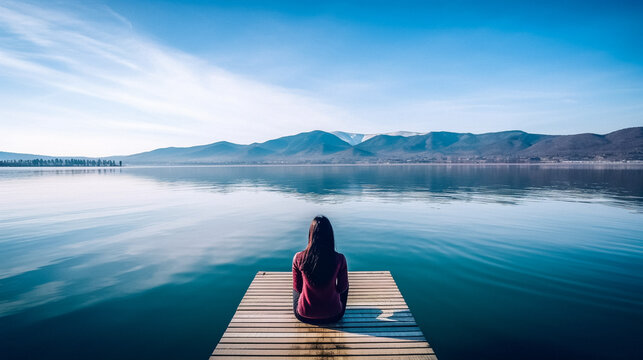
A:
(99, 78)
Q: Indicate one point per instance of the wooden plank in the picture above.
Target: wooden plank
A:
(352, 273)
(286, 318)
(349, 313)
(347, 320)
(351, 296)
(326, 330)
(282, 297)
(348, 307)
(351, 301)
(362, 286)
(365, 282)
(322, 352)
(352, 304)
(321, 340)
(334, 334)
(286, 308)
(240, 322)
(353, 289)
(369, 290)
(289, 279)
(347, 326)
(277, 307)
(355, 282)
(367, 357)
(383, 306)
(354, 292)
(372, 326)
(350, 276)
(309, 345)
(377, 324)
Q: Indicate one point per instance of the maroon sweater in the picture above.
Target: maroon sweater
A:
(319, 302)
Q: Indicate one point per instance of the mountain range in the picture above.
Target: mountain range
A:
(342, 147)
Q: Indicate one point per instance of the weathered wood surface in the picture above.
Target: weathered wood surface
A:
(377, 324)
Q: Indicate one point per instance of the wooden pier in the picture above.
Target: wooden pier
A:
(377, 324)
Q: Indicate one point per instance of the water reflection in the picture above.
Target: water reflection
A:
(502, 183)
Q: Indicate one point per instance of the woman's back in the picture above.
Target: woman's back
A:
(320, 301)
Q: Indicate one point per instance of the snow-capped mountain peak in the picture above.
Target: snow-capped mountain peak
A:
(354, 138)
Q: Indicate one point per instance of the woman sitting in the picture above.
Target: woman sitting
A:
(319, 277)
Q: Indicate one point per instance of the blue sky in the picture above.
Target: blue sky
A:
(114, 77)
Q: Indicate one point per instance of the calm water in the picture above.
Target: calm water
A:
(496, 262)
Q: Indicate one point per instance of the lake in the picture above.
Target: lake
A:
(495, 262)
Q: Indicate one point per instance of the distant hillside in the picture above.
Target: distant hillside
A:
(442, 145)
(324, 147)
(309, 146)
(626, 144)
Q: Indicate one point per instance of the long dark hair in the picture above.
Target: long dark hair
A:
(319, 256)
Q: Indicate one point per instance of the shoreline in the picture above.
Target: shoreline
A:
(636, 163)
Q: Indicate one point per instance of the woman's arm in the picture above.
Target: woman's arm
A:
(297, 281)
(342, 276)
(343, 297)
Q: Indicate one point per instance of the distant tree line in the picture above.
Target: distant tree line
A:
(60, 162)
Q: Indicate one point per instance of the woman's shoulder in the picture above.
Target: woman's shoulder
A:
(340, 257)
(297, 258)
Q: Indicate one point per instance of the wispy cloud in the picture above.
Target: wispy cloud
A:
(91, 75)
(80, 79)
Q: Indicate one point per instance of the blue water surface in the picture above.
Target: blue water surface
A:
(495, 262)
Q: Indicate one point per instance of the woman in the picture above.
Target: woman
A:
(319, 277)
